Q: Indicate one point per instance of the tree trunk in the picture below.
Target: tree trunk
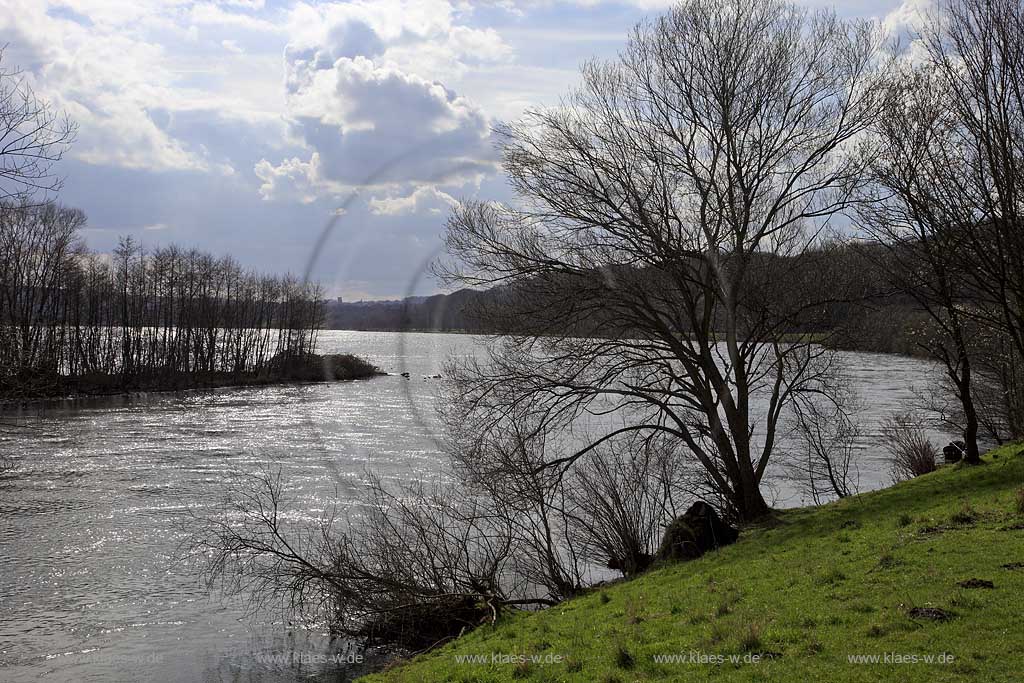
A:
(747, 500)
(971, 456)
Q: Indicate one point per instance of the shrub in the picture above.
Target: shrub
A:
(311, 367)
(913, 454)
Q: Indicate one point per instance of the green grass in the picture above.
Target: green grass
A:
(802, 595)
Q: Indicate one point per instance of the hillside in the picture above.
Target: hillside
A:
(438, 313)
(802, 600)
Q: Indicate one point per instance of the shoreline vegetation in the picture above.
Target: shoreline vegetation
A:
(80, 323)
(308, 368)
(798, 597)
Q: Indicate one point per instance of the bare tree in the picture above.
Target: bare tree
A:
(915, 211)
(624, 496)
(608, 511)
(1000, 391)
(505, 468)
(974, 172)
(657, 260)
(33, 137)
(413, 565)
(825, 430)
(417, 564)
(977, 49)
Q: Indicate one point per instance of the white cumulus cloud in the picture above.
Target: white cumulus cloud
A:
(373, 127)
(424, 199)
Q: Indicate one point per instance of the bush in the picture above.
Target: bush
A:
(311, 367)
(913, 454)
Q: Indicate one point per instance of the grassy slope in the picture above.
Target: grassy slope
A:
(823, 584)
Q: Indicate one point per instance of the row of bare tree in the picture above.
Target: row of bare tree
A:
(75, 320)
(71, 319)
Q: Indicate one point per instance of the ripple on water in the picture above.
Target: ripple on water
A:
(93, 588)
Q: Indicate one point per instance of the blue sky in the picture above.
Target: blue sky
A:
(241, 126)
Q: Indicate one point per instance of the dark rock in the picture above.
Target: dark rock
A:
(954, 452)
(1014, 565)
(976, 583)
(697, 531)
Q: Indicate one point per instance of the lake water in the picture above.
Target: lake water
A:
(90, 585)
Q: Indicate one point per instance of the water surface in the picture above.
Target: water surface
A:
(90, 522)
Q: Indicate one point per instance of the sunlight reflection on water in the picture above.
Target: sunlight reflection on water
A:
(91, 589)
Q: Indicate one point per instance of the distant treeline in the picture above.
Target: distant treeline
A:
(76, 321)
(866, 314)
(439, 313)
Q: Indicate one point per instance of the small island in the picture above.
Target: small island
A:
(310, 367)
(82, 323)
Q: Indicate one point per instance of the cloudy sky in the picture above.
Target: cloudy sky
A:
(244, 126)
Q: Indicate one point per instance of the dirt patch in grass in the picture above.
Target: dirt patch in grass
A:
(932, 613)
(976, 583)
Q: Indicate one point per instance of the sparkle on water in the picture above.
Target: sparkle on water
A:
(91, 589)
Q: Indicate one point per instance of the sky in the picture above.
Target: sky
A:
(247, 127)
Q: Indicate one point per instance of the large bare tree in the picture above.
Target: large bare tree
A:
(663, 258)
(33, 137)
(975, 48)
(947, 196)
(914, 209)
(978, 48)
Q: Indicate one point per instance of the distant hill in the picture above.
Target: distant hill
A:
(440, 313)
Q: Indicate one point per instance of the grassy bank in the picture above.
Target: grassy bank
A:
(862, 577)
